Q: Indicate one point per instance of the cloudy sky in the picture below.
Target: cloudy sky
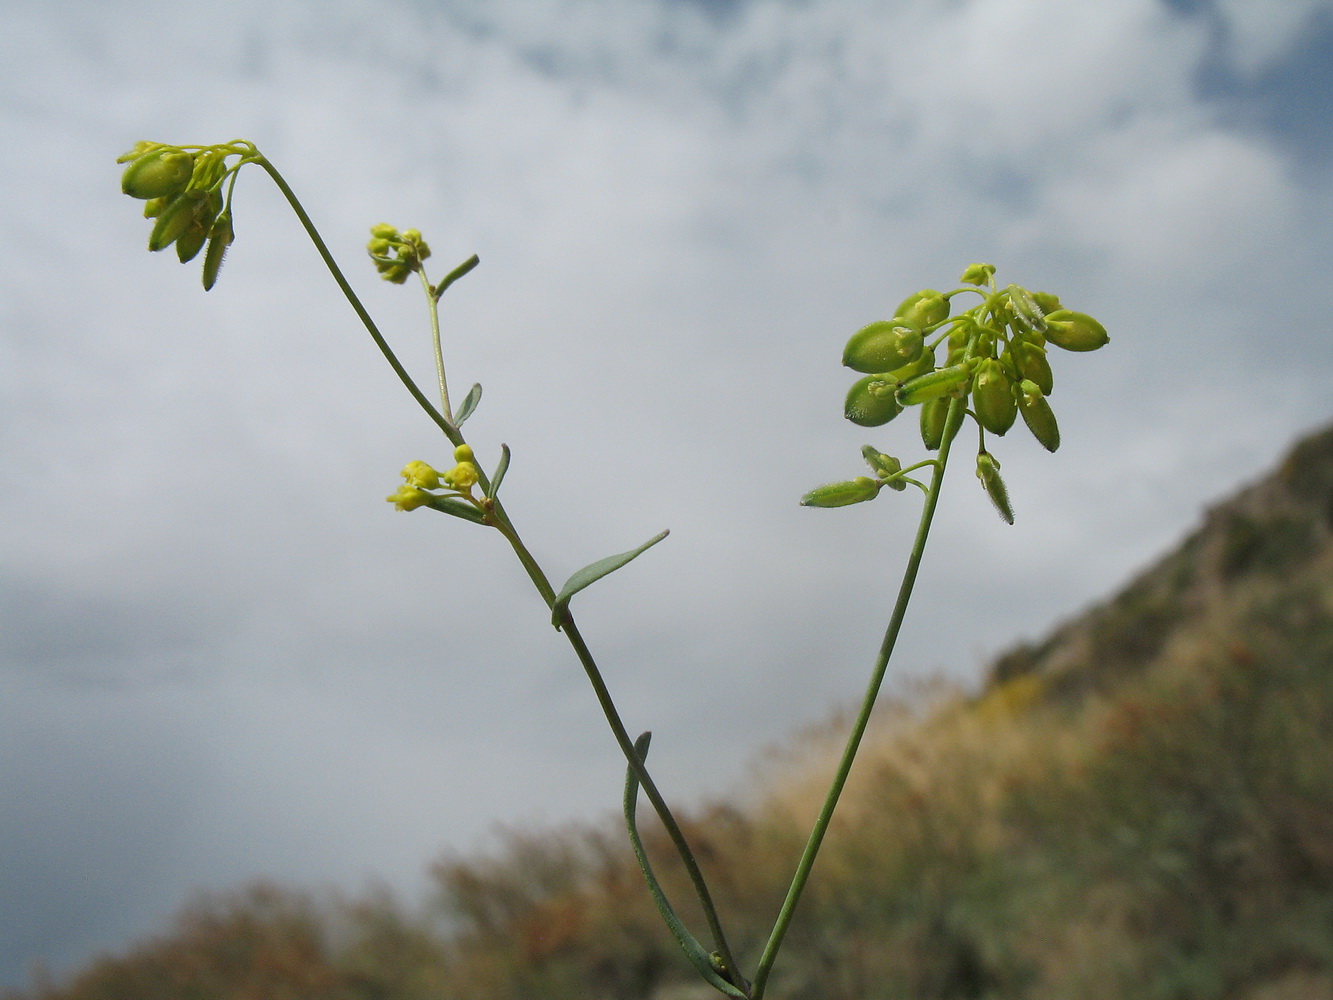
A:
(222, 655)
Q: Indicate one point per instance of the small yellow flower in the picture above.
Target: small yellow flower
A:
(462, 476)
(421, 475)
(410, 498)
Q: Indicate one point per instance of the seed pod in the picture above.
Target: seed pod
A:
(883, 346)
(934, 412)
(1037, 415)
(924, 308)
(1033, 365)
(870, 401)
(923, 364)
(190, 242)
(175, 217)
(993, 397)
(940, 382)
(858, 490)
(158, 174)
(1047, 302)
(219, 239)
(1075, 331)
(988, 471)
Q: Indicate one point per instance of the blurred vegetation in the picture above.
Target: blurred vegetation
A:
(1140, 806)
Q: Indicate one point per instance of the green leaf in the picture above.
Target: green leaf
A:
(500, 471)
(469, 404)
(458, 508)
(593, 572)
(694, 951)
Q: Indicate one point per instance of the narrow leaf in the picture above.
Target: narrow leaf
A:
(694, 951)
(593, 572)
(458, 508)
(500, 471)
(469, 404)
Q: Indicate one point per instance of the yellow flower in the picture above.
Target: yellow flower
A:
(462, 476)
(421, 475)
(410, 498)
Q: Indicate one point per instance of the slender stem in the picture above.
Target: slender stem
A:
(434, 303)
(626, 744)
(445, 424)
(812, 846)
(501, 520)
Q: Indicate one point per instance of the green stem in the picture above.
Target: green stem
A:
(626, 744)
(501, 520)
(434, 304)
(445, 424)
(812, 846)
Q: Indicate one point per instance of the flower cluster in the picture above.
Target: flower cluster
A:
(994, 361)
(396, 255)
(420, 478)
(182, 190)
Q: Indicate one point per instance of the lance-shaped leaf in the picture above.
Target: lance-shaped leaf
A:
(694, 951)
(458, 508)
(469, 404)
(498, 476)
(593, 572)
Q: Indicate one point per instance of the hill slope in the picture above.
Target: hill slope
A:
(1139, 806)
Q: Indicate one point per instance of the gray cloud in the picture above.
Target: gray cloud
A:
(224, 655)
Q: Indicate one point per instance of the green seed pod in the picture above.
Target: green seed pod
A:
(940, 382)
(884, 466)
(175, 217)
(923, 364)
(152, 207)
(925, 308)
(1075, 331)
(988, 471)
(883, 346)
(158, 174)
(219, 239)
(870, 401)
(993, 397)
(1032, 364)
(934, 412)
(1037, 415)
(858, 490)
(190, 242)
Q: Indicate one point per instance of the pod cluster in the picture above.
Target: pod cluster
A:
(181, 188)
(992, 358)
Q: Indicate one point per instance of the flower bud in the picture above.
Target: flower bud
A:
(1037, 415)
(1046, 302)
(885, 467)
(870, 401)
(1075, 331)
(883, 346)
(993, 397)
(925, 308)
(410, 498)
(858, 490)
(988, 471)
(978, 274)
(940, 382)
(463, 453)
(384, 231)
(160, 173)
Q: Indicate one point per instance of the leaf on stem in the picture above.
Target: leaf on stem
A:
(694, 951)
(500, 471)
(469, 404)
(593, 572)
(458, 508)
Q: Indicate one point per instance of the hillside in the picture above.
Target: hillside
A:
(1139, 806)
